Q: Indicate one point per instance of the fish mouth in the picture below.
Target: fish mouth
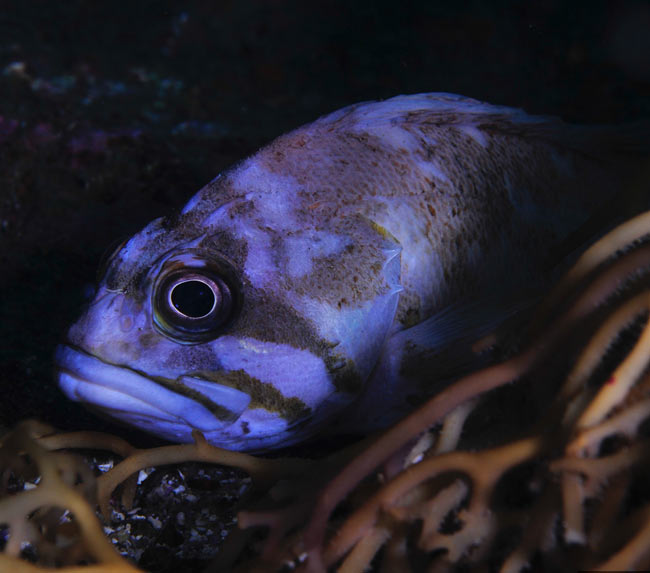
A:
(136, 399)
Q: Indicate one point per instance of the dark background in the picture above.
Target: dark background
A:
(113, 113)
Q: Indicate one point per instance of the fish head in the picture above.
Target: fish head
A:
(254, 328)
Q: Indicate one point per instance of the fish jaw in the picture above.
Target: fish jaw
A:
(136, 399)
(133, 398)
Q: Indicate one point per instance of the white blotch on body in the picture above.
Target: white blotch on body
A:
(260, 266)
(475, 133)
(410, 232)
(274, 195)
(393, 134)
(429, 169)
(218, 216)
(302, 248)
(296, 373)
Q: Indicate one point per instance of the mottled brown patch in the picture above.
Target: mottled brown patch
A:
(356, 273)
(410, 317)
(329, 279)
(148, 340)
(267, 319)
(126, 348)
(346, 378)
(187, 358)
(263, 395)
(223, 244)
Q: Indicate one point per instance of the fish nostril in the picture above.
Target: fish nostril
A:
(126, 322)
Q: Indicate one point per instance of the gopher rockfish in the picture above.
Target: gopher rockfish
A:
(304, 287)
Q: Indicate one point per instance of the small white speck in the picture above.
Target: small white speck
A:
(105, 466)
(155, 522)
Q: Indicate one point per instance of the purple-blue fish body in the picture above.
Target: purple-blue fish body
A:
(309, 286)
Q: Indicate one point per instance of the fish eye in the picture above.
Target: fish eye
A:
(192, 305)
(194, 297)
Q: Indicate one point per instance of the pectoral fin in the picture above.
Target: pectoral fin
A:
(421, 360)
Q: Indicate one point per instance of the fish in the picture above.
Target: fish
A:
(309, 288)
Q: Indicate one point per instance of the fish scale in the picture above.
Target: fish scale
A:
(338, 262)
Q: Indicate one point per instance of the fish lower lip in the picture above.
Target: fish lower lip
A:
(87, 379)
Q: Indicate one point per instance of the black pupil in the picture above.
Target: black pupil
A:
(193, 298)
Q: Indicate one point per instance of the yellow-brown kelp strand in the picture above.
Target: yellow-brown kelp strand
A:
(36, 516)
